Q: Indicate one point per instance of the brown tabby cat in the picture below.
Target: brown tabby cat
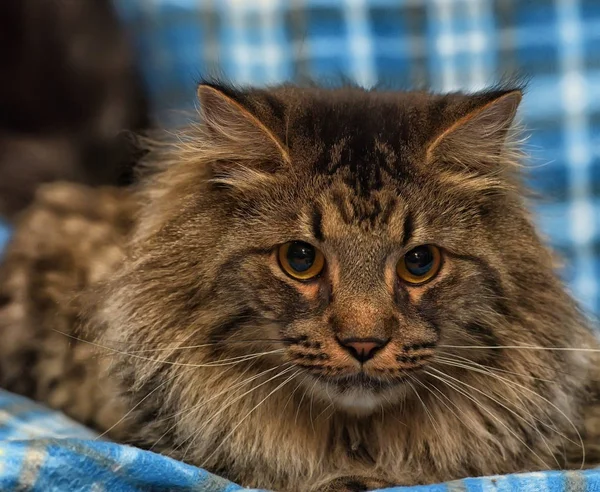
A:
(315, 290)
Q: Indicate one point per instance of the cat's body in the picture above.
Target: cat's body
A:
(69, 92)
(358, 374)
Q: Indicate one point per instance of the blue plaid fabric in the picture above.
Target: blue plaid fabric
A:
(43, 451)
(441, 44)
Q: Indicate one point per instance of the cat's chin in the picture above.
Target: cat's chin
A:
(361, 395)
(359, 401)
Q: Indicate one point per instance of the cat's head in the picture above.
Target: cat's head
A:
(352, 238)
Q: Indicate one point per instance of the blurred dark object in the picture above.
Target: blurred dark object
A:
(69, 94)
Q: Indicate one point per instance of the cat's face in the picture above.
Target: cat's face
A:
(362, 290)
(357, 238)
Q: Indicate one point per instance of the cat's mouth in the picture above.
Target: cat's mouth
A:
(363, 381)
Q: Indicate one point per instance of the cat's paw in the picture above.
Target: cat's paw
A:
(354, 484)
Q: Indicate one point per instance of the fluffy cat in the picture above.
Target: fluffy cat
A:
(69, 88)
(312, 290)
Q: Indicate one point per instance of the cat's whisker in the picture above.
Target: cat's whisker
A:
(242, 358)
(236, 360)
(523, 406)
(443, 379)
(390, 404)
(235, 398)
(235, 385)
(325, 409)
(470, 365)
(301, 400)
(514, 384)
(293, 393)
(312, 394)
(428, 389)
(332, 412)
(134, 407)
(298, 371)
(480, 369)
(194, 408)
(487, 395)
(433, 388)
(212, 344)
(228, 404)
(433, 423)
(327, 393)
(580, 444)
(452, 356)
(207, 344)
(522, 347)
(513, 412)
(531, 363)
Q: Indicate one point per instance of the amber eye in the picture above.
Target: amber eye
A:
(420, 264)
(300, 260)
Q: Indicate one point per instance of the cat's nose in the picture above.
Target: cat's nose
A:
(363, 349)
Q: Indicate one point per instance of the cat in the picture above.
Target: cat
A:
(69, 92)
(310, 290)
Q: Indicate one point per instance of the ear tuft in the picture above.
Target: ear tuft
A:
(478, 139)
(233, 126)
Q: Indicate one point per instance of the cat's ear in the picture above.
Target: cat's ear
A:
(478, 138)
(234, 128)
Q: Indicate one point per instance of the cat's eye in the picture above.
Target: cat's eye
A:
(300, 260)
(420, 264)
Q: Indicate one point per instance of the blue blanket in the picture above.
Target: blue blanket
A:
(43, 451)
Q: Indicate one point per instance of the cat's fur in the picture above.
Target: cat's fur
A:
(177, 305)
(68, 93)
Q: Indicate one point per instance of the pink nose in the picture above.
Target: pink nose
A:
(363, 349)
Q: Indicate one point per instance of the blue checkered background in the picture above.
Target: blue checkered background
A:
(441, 44)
